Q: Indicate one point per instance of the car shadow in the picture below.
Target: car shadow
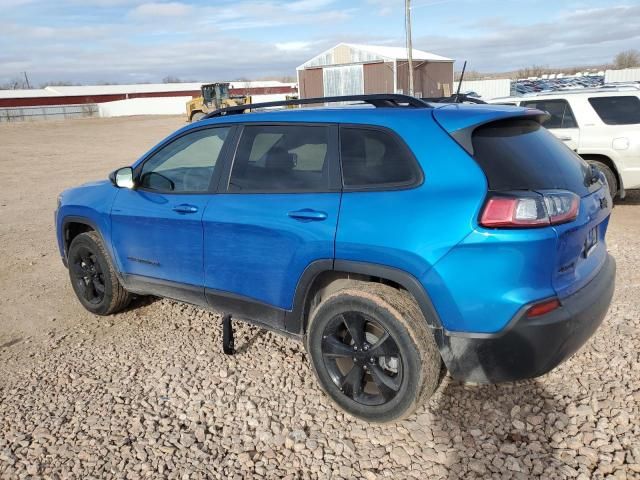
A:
(480, 430)
(244, 343)
(631, 198)
(139, 301)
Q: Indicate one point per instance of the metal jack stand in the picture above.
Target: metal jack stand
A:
(227, 335)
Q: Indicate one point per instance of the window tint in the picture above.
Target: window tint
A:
(521, 155)
(375, 158)
(186, 164)
(275, 158)
(560, 111)
(617, 110)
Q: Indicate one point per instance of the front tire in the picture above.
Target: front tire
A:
(372, 352)
(93, 277)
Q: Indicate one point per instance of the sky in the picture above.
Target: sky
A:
(130, 41)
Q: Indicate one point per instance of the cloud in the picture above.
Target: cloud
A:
(307, 5)
(293, 46)
(256, 38)
(581, 37)
(172, 9)
(383, 7)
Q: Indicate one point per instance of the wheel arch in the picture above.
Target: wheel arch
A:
(73, 225)
(321, 275)
(598, 157)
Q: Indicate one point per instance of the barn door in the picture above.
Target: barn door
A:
(343, 80)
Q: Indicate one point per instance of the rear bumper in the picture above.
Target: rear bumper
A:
(529, 348)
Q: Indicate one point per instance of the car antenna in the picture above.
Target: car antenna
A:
(464, 67)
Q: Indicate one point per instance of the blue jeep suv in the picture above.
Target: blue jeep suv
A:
(395, 237)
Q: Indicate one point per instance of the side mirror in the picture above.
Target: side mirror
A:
(122, 178)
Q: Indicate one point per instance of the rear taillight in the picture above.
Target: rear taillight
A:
(529, 209)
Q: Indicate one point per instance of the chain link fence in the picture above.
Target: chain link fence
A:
(53, 112)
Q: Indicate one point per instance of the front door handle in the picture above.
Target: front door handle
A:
(308, 215)
(565, 138)
(185, 208)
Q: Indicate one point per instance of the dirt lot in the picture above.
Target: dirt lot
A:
(148, 393)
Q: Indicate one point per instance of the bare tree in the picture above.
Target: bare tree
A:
(627, 59)
(171, 79)
(469, 75)
(58, 83)
(532, 71)
(16, 83)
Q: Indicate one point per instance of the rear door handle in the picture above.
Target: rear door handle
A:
(308, 215)
(565, 139)
(185, 208)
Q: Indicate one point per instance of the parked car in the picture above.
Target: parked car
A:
(392, 240)
(601, 125)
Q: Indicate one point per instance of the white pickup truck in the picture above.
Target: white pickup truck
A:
(601, 125)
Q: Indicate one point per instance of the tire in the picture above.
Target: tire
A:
(93, 277)
(197, 116)
(375, 387)
(612, 180)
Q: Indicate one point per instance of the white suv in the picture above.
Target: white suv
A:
(601, 125)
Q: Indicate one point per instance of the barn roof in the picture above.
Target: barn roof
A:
(370, 53)
(398, 53)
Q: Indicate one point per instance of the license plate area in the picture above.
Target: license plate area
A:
(590, 242)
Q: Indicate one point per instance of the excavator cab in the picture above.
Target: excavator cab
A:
(214, 94)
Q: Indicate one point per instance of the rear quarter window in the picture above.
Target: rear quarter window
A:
(622, 110)
(522, 155)
(374, 158)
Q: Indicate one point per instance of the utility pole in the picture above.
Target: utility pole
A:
(26, 79)
(407, 13)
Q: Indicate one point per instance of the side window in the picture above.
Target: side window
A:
(281, 158)
(560, 111)
(186, 164)
(375, 158)
(622, 110)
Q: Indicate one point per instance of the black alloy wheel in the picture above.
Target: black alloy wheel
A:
(93, 278)
(362, 358)
(372, 351)
(88, 275)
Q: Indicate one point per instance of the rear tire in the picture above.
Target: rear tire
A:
(93, 277)
(372, 352)
(612, 180)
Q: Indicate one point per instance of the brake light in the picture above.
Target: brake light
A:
(543, 308)
(528, 210)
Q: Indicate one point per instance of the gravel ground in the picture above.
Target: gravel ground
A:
(148, 393)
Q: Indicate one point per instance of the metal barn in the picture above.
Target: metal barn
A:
(349, 69)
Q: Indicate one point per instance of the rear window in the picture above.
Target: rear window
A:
(617, 110)
(281, 158)
(522, 155)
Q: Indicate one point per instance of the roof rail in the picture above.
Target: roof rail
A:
(377, 100)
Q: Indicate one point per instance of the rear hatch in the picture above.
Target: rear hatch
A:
(521, 159)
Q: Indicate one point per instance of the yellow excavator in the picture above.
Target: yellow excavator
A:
(213, 96)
